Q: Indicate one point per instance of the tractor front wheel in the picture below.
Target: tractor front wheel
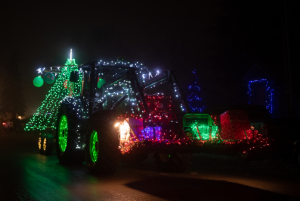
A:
(102, 153)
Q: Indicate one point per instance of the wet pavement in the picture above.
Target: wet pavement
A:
(27, 175)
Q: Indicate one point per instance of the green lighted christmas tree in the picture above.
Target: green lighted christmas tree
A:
(45, 117)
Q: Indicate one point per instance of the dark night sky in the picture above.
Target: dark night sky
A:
(221, 39)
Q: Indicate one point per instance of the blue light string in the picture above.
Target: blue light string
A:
(269, 94)
(193, 96)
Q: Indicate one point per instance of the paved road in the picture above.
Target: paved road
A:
(27, 175)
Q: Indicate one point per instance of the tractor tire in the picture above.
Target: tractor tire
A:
(67, 135)
(134, 158)
(40, 143)
(102, 153)
(175, 162)
(48, 144)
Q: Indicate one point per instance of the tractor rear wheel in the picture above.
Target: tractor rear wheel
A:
(175, 162)
(102, 153)
(67, 135)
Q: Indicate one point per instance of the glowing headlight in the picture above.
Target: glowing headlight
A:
(124, 130)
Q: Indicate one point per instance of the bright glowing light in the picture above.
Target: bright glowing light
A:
(71, 54)
(39, 71)
(124, 130)
(157, 73)
(117, 124)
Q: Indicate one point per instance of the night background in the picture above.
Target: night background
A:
(221, 39)
(248, 147)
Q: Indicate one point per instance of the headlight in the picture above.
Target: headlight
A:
(124, 130)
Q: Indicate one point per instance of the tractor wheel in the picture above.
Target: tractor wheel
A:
(134, 158)
(40, 143)
(48, 144)
(175, 162)
(67, 135)
(102, 153)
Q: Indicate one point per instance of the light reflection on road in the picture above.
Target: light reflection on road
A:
(44, 178)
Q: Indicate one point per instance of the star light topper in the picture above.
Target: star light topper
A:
(71, 54)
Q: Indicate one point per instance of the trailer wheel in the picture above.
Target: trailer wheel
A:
(134, 158)
(175, 162)
(66, 136)
(245, 155)
(102, 153)
(48, 144)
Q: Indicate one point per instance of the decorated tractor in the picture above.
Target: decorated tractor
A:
(101, 111)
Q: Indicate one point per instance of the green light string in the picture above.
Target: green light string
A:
(45, 116)
(204, 131)
(94, 146)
